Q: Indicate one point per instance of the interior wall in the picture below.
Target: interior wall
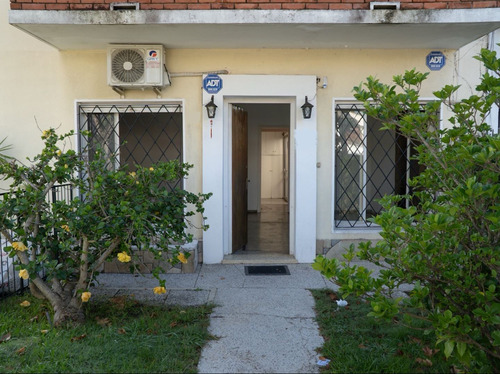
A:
(272, 182)
(149, 138)
(261, 116)
(380, 165)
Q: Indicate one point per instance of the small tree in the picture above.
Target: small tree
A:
(68, 241)
(447, 243)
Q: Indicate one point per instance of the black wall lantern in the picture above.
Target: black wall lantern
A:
(307, 109)
(211, 108)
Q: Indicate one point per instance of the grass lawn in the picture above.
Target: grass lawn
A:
(119, 336)
(356, 343)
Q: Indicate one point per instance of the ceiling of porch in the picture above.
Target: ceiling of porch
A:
(381, 29)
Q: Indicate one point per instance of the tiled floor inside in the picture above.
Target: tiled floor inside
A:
(268, 235)
(268, 231)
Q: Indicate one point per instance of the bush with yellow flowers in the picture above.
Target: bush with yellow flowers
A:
(112, 213)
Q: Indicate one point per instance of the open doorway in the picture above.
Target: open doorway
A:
(266, 168)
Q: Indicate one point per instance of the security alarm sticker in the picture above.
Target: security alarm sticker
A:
(435, 60)
(212, 83)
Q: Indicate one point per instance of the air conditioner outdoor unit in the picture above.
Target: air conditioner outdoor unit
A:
(137, 66)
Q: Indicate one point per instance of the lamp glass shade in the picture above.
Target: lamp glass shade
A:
(307, 109)
(211, 108)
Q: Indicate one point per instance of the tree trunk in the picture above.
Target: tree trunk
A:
(35, 291)
(65, 312)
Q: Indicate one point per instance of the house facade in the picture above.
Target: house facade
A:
(139, 76)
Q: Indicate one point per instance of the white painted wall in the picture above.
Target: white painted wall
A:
(468, 70)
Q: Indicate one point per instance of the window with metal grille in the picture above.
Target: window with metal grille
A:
(132, 134)
(369, 163)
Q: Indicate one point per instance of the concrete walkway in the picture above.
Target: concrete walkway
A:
(264, 324)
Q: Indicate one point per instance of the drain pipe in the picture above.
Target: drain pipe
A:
(197, 74)
(493, 118)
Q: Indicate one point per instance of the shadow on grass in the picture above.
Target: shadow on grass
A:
(356, 343)
(120, 335)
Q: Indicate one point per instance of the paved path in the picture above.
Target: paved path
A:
(264, 324)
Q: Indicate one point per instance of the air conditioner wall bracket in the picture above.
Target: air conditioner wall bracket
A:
(118, 90)
(157, 91)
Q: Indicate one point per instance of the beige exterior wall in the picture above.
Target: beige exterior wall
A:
(39, 86)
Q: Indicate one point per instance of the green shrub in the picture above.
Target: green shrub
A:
(446, 244)
(114, 212)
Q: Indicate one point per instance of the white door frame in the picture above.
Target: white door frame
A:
(217, 160)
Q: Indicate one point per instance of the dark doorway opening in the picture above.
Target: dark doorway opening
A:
(267, 183)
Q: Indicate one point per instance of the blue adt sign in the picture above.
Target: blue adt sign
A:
(435, 60)
(212, 83)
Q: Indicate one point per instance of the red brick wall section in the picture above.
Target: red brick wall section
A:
(246, 4)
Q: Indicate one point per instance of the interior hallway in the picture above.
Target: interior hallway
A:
(268, 236)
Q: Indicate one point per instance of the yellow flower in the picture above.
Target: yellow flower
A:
(151, 169)
(182, 258)
(65, 228)
(59, 153)
(65, 166)
(19, 246)
(24, 274)
(45, 134)
(123, 257)
(159, 290)
(25, 303)
(132, 174)
(86, 296)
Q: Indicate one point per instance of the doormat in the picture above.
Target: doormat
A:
(267, 270)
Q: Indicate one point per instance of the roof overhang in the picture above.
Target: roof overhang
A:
(381, 29)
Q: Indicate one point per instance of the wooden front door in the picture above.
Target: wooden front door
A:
(240, 176)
